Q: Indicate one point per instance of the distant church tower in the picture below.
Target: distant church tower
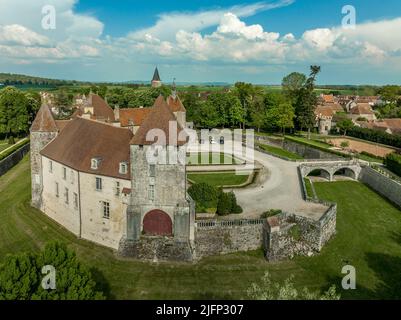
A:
(156, 82)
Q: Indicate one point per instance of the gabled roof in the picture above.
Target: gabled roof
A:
(160, 119)
(156, 76)
(362, 108)
(44, 121)
(136, 115)
(61, 124)
(175, 104)
(101, 110)
(82, 140)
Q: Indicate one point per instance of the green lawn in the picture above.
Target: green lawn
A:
(280, 152)
(308, 187)
(369, 238)
(219, 179)
(198, 159)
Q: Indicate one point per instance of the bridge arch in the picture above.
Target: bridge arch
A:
(345, 172)
(319, 172)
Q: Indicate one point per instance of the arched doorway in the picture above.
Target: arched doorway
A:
(157, 223)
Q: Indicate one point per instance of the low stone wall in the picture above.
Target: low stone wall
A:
(308, 152)
(156, 249)
(9, 162)
(215, 238)
(382, 184)
(289, 235)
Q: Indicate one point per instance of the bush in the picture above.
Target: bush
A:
(12, 149)
(345, 144)
(270, 213)
(204, 195)
(375, 136)
(11, 140)
(393, 163)
(224, 205)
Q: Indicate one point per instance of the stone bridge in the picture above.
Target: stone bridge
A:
(329, 169)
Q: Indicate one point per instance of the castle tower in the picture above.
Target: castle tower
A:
(156, 82)
(159, 204)
(177, 107)
(43, 131)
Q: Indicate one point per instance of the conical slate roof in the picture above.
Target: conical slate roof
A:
(156, 76)
(44, 121)
(159, 119)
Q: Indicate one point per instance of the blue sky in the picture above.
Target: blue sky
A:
(203, 40)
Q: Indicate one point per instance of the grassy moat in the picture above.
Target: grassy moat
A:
(368, 237)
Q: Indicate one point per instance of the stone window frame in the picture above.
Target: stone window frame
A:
(152, 170)
(98, 184)
(123, 169)
(50, 166)
(64, 173)
(57, 190)
(105, 209)
(75, 200)
(66, 195)
(118, 188)
(151, 192)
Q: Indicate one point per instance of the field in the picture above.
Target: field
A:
(368, 237)
(219, 179)
(360, 146)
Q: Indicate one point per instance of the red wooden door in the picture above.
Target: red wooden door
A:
(157, 223)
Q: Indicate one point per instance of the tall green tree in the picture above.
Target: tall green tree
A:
(292, 83)
(281, 116)
(21, 276)
(306, 102)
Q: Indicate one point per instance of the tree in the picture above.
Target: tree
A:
(292, 84)
(282, 116)
(21, 276)
(16, 111)
(306, 102)
(345, 125)
(270, 290)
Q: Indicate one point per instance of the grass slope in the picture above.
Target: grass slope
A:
(280, 152)
(368, 238)
(219, 179)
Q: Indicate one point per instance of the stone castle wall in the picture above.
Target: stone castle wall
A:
(223, 239)
(382, 184)
(9, 162)
(308, 152)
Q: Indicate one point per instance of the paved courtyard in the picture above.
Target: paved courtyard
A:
(277, 187)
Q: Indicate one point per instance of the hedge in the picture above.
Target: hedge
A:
(375, 136)
(5, 154)
(393, 163)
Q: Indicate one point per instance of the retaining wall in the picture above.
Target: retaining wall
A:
(9, 162)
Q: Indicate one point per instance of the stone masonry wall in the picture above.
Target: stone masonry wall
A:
(9, 162)
(309, 152)
(381, 184)
(227, 239)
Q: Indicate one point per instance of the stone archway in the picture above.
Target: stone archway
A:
(322, 173)
(157, 223)
(345, 172)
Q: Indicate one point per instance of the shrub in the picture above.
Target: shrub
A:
(224, 205)
(345, 144)
(393, 163)
(11, 140)
(270, 213)
(235, 208)
(205, 196)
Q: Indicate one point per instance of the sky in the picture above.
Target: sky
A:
(202, 40)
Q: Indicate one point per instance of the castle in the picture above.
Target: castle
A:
(93, 175)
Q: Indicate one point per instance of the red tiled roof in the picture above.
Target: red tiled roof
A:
(82, 140)
(136, 115)
(101, 110)
(175, 104)
(362, 108)
(159, 118)
(61, 124)
(44, 121)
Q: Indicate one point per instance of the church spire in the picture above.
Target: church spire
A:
(156, 82)
(174, 91)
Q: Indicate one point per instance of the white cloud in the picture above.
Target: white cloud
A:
(16, 34)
